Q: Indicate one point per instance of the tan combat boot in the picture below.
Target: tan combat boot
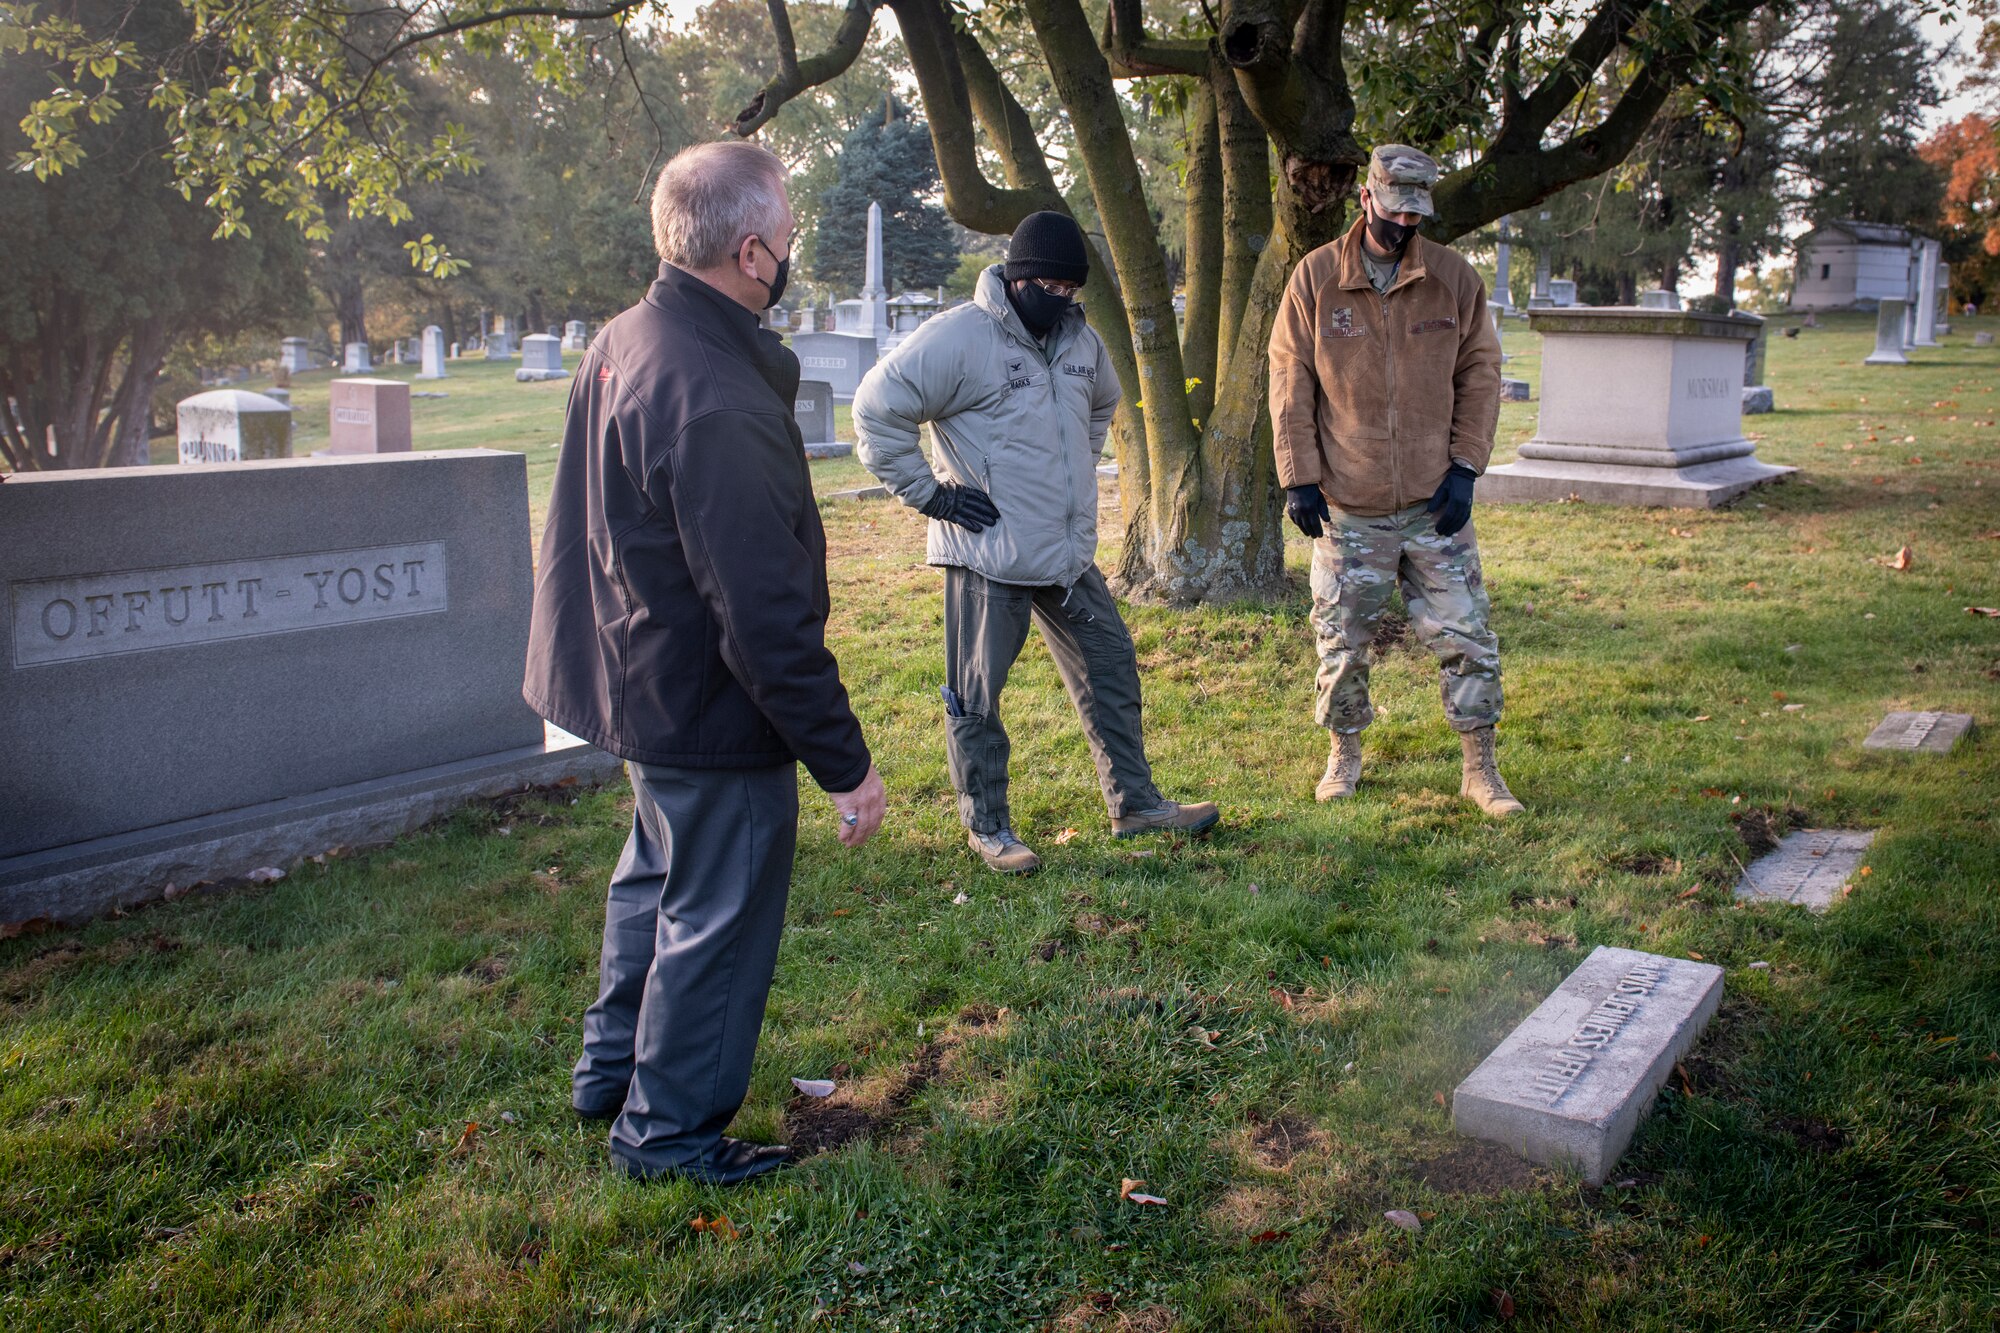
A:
(1167, 817)
(1343, 768)
(1482, 783)
(1004, 852)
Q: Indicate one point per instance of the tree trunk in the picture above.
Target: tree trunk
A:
(350, 308)
(1728, 258)
(1205, 279)
(1246, 199)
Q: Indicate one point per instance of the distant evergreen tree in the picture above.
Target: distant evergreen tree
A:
(886, 159)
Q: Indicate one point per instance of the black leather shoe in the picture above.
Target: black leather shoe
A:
(731, 1162)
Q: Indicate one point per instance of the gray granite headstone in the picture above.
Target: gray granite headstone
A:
(209, 667)
(1808, 869)
(1928, 733)
(356, 359)
(1513, 391)
(813, 409)
(541, 359)
(1570, 1085)
(575, 336)
(841, 359)
(295, 354)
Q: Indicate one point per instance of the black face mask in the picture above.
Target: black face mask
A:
(1391, 236)
(1039, 309)
(777, 286)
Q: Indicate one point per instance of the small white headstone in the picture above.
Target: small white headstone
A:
(1930, 733)
(1809, 869)
(1570, 1085)
(575, 336)
(433, 354)
(356, 360)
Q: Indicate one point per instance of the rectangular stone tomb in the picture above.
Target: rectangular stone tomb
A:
(541, 359)
(215, 667)
(1639, 407)
(1569, 1086)
(1929, 733)
(1809, 869)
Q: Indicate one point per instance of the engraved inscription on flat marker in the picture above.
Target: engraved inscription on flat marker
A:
(98, 615)
(1930, 733)
(1570, 1085)
(1809, 868)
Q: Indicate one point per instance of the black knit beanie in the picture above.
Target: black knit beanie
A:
(1048, 245)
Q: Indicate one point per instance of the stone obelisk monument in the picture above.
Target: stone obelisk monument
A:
(874, 300)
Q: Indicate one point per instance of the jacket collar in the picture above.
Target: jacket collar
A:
(682, 294)
(1349, 272)
(990, 294)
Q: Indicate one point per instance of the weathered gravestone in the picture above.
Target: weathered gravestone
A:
(841, 359)
(356, 359)
(214, 669)
(1809, 868)
(295, 354)
(433, 367)
(575, 336)
(813, 409)
(1982, 339)
(1927, 733)
(1659, 299)
(230, 425)
(1514, 391)
(1639, 407)
(368, 416)
(1888, 335)
(1569, 1086)
(1562, 291)
(500, 342)
(541, 359)
(1757, 396)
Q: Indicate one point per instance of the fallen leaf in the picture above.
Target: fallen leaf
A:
(1703, 718)
(571, 781)
(1689, 893)
(721, 1228)
(1697, 957)
(856, 1267)
(1990, 612)
(1703, 1240)
(1687, 1084)
(1284, 998)
(1065, 836)
(265, 875)
(1127, 1185)
(1868, 870)
(1795, 708)
(1153, 1199)
(814, 1087)
(1759, 965)
(1404, 1218)
(1902, 560)
(1503, 1304)
(1268, 1237)
(1438, 1097)
(1140, 856)
(468, 1140)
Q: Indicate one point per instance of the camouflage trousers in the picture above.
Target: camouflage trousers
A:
(1355, 566)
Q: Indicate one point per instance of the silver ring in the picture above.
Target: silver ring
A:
(850, 820)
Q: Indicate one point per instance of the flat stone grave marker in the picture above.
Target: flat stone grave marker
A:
(1569, 1086)
(1808, 870)
(1930, 733)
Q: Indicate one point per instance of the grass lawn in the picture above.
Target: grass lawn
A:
(250, 1108)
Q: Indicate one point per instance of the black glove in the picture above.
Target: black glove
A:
(967, 506)
(1306, 507)
(1452, 501)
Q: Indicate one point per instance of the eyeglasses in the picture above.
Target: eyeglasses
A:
(1057, 287)
(791, 241)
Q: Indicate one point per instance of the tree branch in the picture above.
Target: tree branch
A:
(1133, 55)
(794, 76)
(1527, 118)
(609, 10)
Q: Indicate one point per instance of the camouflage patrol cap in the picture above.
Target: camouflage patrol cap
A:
(1400, 178)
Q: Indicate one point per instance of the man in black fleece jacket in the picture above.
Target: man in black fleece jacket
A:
(680, 623)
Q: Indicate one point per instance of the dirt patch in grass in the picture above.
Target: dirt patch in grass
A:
(1482, 1169)
(1249, 1210)
(1761, 827)
(1275, 1143)
(489, 969)
(1645, 863)
(1812, 1134)
(1099, 1313)
(871, 1109)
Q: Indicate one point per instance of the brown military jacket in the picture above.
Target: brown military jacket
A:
(1372, 396)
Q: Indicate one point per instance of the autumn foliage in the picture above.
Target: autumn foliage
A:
(1967, 155)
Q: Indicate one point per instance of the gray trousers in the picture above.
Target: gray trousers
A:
(691, 930)
(985, 627)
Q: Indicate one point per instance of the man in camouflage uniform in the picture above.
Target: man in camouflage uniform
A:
(1385, 390)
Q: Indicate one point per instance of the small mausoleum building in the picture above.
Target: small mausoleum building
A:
(1852, 265)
